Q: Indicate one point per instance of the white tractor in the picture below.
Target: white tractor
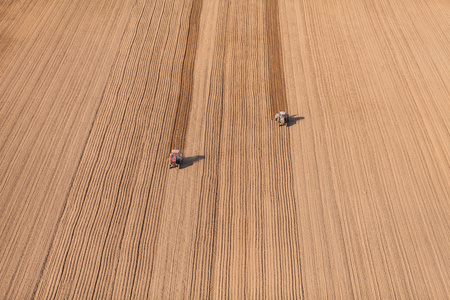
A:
(282, 118)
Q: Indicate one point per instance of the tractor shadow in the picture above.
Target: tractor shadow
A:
(189, 161)
(293, 120)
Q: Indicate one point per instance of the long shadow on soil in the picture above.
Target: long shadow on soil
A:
(189, 161)
(293, 120)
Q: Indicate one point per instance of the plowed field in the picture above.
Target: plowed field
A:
(350, 200)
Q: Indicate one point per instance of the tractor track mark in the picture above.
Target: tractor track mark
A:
(290, 267)
(187, 78)
(277, 89)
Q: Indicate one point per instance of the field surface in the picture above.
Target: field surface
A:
(350, 200)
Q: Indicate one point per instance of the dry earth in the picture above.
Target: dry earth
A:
(350, 200)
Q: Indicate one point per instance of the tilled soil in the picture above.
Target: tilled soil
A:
(350, 200)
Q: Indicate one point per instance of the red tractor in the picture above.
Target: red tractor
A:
(175, 159)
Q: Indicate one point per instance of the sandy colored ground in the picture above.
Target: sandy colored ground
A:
(350, 200)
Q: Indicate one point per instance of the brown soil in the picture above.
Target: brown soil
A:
(350, 200)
